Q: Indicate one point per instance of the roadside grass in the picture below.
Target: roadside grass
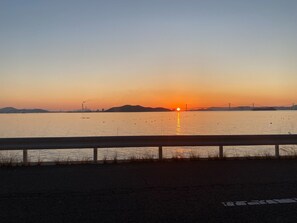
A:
(104, 160)
(6, 162)
(9, 161)
(115, 157)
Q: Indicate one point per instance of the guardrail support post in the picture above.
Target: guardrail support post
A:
(221, 152)
(277, 151)
(160, 153)
(25, 156)
(95, 157)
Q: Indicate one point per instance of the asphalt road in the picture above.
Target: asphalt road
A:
(196, 191)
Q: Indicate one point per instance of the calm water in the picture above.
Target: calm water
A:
(166, 123)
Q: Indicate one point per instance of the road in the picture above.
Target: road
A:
(179, 191)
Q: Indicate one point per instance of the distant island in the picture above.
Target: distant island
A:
(136, 108)
(125, 108)
(15, 110)
(264, 109)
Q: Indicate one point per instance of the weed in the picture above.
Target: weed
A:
(115, 157)
(104, 159)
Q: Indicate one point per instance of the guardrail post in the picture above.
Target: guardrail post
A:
(95, 157)
(221, 152)
(25, 156)
(160, 153)
(276, 151)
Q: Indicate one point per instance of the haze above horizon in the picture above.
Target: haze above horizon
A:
(57, 54)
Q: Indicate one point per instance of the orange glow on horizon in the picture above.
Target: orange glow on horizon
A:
(167, 98)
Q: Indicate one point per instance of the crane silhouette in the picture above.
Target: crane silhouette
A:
(82, 105)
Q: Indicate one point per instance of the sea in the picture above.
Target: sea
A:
(146, 123)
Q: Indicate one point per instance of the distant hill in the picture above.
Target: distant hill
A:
(247, 108)
(240, 108)
(136, 108)
(264, 109)
(15, 110)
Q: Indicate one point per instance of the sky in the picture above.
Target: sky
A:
(55, 54)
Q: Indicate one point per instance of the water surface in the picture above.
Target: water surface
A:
(147, 123)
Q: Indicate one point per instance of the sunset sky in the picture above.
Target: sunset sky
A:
(55, 54)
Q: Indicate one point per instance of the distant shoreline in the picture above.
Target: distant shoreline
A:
(84, 112)
(138, 108)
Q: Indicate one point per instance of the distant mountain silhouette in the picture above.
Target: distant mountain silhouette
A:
(247, 108)
(136, 108)
(239, 108)
(15, 110)
(264, 109)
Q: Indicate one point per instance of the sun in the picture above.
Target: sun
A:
(178, 109)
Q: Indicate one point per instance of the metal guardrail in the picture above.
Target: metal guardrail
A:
(26, 144)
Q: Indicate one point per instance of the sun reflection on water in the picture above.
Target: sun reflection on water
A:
(178, 128)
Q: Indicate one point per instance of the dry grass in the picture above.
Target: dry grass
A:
(115, 157)
(177, 157)
(9, 161)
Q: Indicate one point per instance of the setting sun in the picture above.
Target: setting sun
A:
(177, 109)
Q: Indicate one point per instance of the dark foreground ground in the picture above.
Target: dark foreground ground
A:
(252, 191)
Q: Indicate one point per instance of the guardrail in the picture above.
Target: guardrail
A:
(26, 144)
